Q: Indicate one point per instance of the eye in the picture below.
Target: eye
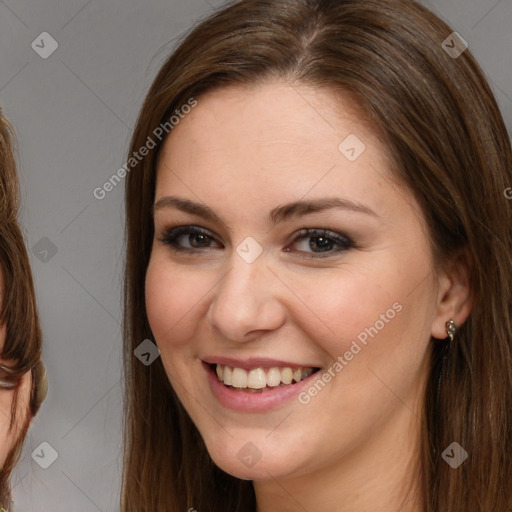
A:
(195, 237)
(322, 243)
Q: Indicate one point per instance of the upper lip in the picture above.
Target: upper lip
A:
(255, 362)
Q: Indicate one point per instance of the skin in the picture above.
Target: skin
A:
(243, 152)
(8, 437)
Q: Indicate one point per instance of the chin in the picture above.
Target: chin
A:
(262, 470)
(245, 460)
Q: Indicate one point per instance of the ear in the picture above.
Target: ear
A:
(455, 298)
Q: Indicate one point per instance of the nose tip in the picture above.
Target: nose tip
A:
(246, 302)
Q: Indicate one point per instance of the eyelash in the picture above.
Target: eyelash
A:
(344, 242)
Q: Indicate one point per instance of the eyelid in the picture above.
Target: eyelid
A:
(176, 231)
(343, 241)
(317, 232)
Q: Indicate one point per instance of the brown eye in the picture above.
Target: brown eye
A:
(196, 238)
(321, 243)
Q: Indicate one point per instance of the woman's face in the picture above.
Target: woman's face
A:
(263, 290)
(9, 437)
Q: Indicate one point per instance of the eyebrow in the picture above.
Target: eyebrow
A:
(278, 214)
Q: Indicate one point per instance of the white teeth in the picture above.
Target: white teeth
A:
(286, 375)
(228, 375)
(273, 377)
(258, 378)
(297, 375)
(239, 378)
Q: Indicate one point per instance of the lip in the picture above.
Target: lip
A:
(255, 362)
(254, 402)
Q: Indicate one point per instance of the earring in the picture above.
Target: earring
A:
(7, 380)
(451, 329)
(7, 383)
(39, 387)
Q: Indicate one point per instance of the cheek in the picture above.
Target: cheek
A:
(375, 314)
(172, 302)
(340, 303)
(8, 438)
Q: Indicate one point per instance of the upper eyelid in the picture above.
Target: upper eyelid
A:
(301, 233)
(210, 232)
(181, 230)
(189, 228)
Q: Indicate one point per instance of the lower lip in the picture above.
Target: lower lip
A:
(253, 402)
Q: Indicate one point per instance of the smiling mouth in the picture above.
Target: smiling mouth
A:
(260, 380)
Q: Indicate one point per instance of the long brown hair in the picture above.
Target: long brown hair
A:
(440, 120)
(22, 345)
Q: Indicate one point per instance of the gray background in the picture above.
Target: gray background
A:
(73, 113)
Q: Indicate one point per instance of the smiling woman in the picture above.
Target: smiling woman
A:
(23, 382)
(326, 275)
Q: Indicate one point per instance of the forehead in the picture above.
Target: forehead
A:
(297, 113)
(273, 137)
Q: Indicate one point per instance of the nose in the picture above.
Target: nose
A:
(248, 301)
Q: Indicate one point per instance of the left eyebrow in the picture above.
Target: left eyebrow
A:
(299, 208)
(278, 214)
